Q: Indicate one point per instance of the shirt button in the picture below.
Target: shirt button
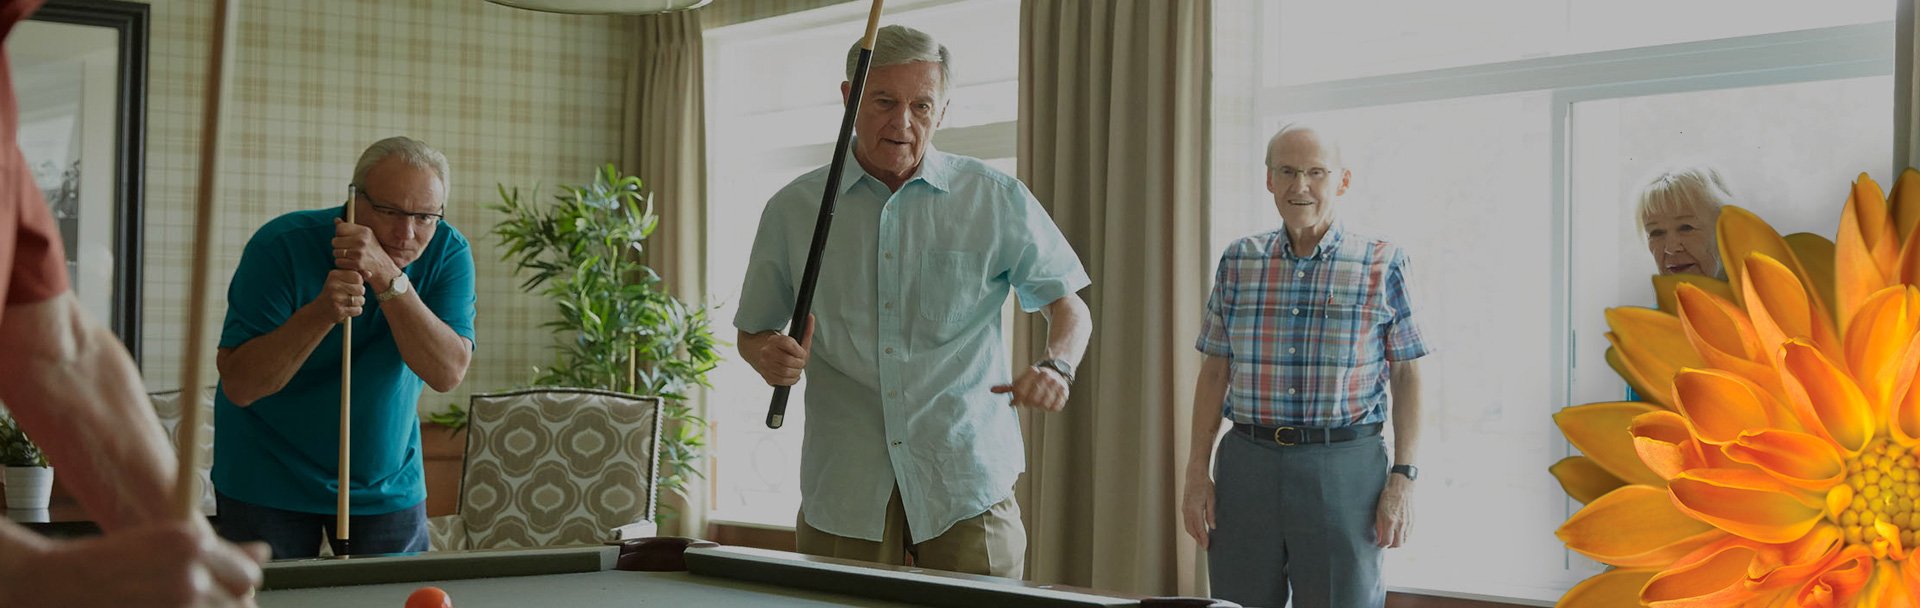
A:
(1296, 312)
(893, 393)
(889, 350)
(1291, 350)
(896, 444)
(889, 255)
(889, 306)
(1298, 274)
(1291, 391)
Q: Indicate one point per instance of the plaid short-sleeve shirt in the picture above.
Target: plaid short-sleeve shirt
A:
(1310, 337)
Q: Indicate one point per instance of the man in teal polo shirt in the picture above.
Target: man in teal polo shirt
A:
(910, 445)
(276, 416)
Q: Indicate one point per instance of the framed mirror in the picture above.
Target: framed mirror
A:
(79, 69)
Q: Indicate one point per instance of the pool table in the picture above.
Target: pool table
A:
(657, 572)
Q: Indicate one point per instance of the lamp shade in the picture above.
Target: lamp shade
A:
(604, 7)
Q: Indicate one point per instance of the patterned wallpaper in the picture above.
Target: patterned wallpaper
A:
(512, 97)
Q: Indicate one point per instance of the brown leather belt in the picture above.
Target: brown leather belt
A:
(1299, 435)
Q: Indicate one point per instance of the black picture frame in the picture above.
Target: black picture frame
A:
(131, 22)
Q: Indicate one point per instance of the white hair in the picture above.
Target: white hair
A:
(1699, 187)
(1329, 142)
(409, 150)
(899, 44)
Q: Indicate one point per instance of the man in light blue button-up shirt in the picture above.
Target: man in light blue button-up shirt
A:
(911, 445)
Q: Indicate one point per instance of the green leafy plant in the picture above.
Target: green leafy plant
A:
(16, 450)
(454, 418)
(618, 328)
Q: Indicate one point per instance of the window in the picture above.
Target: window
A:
(1500, 142)
(773, 109)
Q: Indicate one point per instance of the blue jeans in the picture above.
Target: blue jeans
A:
(293, 534)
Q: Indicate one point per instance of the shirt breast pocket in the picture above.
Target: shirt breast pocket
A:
(950, 284)
(1346, 331)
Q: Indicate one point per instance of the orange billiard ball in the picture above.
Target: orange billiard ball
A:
(429, 597)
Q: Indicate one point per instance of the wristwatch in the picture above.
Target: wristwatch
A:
(1064, 368)
(401, 285)
(1405, 469)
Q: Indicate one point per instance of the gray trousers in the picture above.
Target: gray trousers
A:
(1297, 519)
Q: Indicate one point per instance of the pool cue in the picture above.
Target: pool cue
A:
(342, 543)
(186, 482)
(803, 301)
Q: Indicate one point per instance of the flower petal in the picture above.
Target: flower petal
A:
(1610, 589)
(1746, 503)
(1724, 337)
(1641, 385)
(1600, 431)
(1801, 460)
(1665, 443)
(1903, 421)
(1781, 309)
(1887, 590)
(1665, 284)
(1877, 340)
(1815, 253)
(1866, 252)
(1715, 579)
(1721, 405)
(1785, 566)
(1635, 527)
(1654, 345)
(1742, 234)
(1904, 203)
(1839, 582)
(1582, 479)
(1825, 398)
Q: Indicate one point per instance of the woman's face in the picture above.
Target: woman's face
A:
(1681, 239)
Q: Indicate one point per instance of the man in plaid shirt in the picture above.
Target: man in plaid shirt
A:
(1307, 330)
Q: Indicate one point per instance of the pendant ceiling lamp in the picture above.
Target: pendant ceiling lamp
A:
(604, 7)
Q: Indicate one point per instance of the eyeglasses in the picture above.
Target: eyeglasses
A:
(1313, 174)
(391, 212)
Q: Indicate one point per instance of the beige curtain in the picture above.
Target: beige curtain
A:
(1113, 140)
(663, 140)
(1906, 123)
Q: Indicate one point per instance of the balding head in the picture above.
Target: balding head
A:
(1300, 133)
(1306, 177)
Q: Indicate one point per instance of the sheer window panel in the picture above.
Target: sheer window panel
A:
(1319, 41)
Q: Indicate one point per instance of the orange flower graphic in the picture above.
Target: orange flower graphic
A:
(1774, 461)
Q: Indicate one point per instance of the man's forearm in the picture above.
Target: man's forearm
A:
(1406, 410)
(76, 392)
(429, 347)
(1209, 390)
(262, 366)
(1069, 324)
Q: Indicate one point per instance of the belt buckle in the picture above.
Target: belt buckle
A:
(1278, 440)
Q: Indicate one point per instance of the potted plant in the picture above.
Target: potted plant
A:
(618, 328)
(29, 480)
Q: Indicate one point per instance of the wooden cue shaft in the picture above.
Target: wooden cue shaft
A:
(823, 223)
(341, 508)
(186, 487)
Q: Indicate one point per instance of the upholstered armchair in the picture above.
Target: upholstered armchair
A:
(555, 466)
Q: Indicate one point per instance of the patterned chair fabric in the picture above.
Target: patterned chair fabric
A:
(168, 406)
(551, 466)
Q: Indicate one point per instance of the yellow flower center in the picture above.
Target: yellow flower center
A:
(1886, 483)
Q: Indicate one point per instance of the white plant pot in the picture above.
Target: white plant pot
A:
(29, 487)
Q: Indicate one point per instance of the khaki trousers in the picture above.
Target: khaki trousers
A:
(993, 543)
